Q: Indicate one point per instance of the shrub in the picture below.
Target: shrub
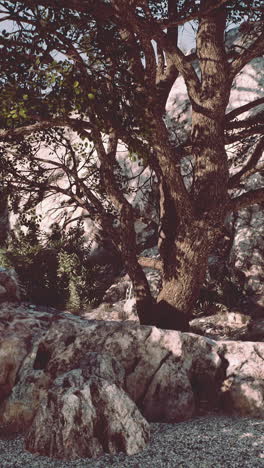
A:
(52, 269)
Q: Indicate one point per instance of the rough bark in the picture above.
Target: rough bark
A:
(189, 227)
(4, 219)
(185, 264)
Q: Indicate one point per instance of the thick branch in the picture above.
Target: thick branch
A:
(75, 124)
(256, 49)
(247, 199)
(172, 31)
(149, 29)
(172, 23)
(147, 262)
(240, 110)
(136, 65)
(238, 136)
(251, 164)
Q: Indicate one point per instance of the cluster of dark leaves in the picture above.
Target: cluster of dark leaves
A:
(53, 269)
(223, 294)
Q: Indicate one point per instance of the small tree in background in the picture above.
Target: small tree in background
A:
(53, 269)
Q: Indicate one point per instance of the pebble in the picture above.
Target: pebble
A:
(213, 440)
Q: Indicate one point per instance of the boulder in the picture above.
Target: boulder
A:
(79, 376)
(86, 418)
(21, 385)
(159, 364)
(9, 288)
(242, 390)
(222, 325)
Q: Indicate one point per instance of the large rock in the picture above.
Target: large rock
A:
(9, 287)
(159, 364)
(226, 325)
(21, 384)
(168, 375)
(243, 386)
(87, 418)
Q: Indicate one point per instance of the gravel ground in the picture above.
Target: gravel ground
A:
(208, 441)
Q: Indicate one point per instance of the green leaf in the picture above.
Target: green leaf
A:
(76, 84)
(22, 113)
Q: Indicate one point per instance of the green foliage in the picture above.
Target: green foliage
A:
(53, 270)
(224, 293)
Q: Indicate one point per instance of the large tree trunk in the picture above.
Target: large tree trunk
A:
(189, 225)
(183, 275)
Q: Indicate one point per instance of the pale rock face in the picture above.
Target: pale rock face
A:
(95, 416)
(222, 325)
(243, 387)
(247, 254)
(9, 288)
(3, 293)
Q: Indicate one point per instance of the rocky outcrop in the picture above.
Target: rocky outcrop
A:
(87, 417)
(223, 325)
(104, 380)
(9, 288)
(243, 388)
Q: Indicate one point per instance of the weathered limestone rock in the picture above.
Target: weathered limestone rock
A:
(3, 293)
(18, 410)
(21, 385)
(222, 325)
(243, 387)
(9, 286)
(159, 364)
(56, 365)
(86, 418)
(15, 343)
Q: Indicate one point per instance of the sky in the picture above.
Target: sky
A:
(186, 34)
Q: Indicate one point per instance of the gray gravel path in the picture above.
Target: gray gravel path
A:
(208, 441)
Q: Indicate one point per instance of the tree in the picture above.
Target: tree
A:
(106, 68)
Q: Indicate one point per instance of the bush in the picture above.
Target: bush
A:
(53, 269)
(224, 293)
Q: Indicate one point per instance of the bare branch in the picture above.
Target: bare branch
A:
(246, 171)
(253, 125)
(168, 23)
(75, 124)
(172, 31)
(256, 49)
(148, 29)
(240, 110)
(147, 262)
(136, 65)
(239, 135)
(247, 199)
(112, 144)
